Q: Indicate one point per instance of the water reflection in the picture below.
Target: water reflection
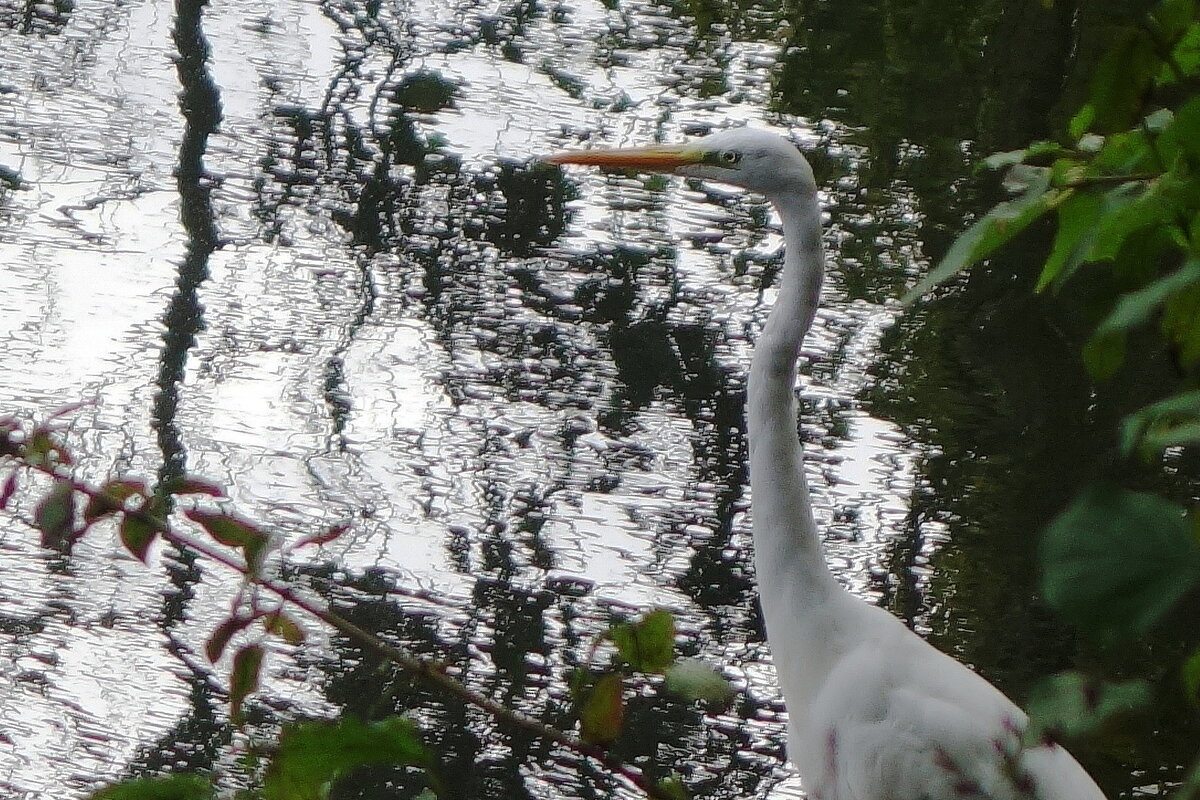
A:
(37, 18)
(523, 392)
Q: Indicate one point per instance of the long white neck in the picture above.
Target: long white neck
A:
(788, 552)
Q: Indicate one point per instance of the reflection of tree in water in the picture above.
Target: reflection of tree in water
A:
(470, 762)
(991, 379)
(590, 338)
(515, 646)
(37, 17)
(197, 738)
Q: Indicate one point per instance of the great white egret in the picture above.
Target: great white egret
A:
(876, 712)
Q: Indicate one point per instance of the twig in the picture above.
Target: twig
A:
(425, 670)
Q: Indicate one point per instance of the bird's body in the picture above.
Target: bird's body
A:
(876, 713)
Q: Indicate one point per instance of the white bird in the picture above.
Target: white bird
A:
(875, 712)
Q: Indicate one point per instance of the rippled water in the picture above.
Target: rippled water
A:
(522, 390)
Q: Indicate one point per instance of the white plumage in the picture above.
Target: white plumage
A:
(876, 713)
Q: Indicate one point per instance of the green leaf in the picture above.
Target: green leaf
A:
(1191, 677)
(1125, 152)
(1121, 80)
(1173, 18)
(1181, 325)
(1081, 123)
(994, 229)
(284, 627)
(1077, 215)
(695, 680)
(170, 787)
(1104, 353)
(1182, 434)
(1170, 422)
(233, 532)
(243, 680)
(1069, 705)
(1135, 308)
(602, 710)
(1186, 55)
(648, 645)
(672, 788)
(111, 498)
(1126, 209)
(1114, 561)
(1181, 135)
(55, 516)
(311, 755)
(226, 528)
(1042, 153)
(137, 533)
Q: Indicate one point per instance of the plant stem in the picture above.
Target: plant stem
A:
(425, 670)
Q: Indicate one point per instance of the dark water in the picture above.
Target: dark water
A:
(310, 258)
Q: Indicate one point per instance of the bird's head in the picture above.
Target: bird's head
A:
(758, 160)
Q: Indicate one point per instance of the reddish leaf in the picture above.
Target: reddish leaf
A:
(326, 536)
(10, 488)
(602, 712)
(225, 528)
(192, 485)
(111, 498)
(137, 534)
(247, 663)
(285, 627)
(55, 517)
(215, 646)
(233, 532)
(68, 409)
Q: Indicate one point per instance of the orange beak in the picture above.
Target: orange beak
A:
(656, 158)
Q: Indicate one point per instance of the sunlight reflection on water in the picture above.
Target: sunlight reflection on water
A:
(326, 388)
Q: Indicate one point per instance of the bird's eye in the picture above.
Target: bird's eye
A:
(729, 157)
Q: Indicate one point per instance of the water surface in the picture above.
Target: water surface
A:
(332, 279)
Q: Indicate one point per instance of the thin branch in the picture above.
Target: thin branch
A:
(425, 670)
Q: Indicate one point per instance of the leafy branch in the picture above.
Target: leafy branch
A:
(142, 516)
(1123, 184)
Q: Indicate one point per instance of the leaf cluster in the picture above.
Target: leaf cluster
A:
(309, 757)
(644, 649)
(1123, 185)
(303, 765)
